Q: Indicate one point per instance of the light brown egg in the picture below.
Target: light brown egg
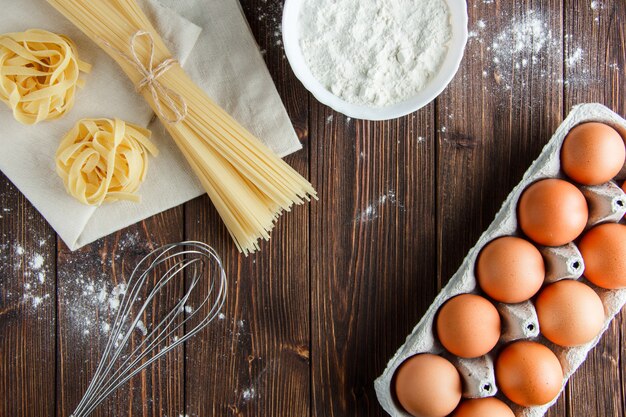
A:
(529, 373)
(428, 385)
(592, 153)
(624, 188)
(622, 132)
(468, 325)
(552, 212)
(604, 251)
(570, 313)
(510, 269)
(483, 407)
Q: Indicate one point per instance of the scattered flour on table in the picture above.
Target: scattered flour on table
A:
(596, 5)
(270, 13)
(575, 57)
(248, 394)
(89, 298)
(374, 52)
(30, 266)
(372, 211)
(526, 41)
(142, 328)
(90, 304)
(525, 49)
(36, 262)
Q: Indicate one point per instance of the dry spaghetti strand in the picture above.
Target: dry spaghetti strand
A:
(249, 185)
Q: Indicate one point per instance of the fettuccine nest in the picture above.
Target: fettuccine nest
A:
(103, 160)
(39, 73)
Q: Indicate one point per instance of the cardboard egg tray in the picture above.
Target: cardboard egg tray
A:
(607, 203)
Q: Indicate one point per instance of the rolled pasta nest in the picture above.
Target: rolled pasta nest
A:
(39, 73)
(103, 160)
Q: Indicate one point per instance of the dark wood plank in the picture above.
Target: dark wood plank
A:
(27, 307)
(494, 119)
(255, 360)
(372, 250)
(621, 323)
(595, 60)
(87, 282)
(312, 319)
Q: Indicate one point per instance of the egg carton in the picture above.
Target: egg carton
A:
(607, 203)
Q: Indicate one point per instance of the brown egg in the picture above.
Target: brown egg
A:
(622, 131)
(468, 326)
(592, 153)
(529, 373)
(483, 407)
(552, 212)
(624, 188)
(428, 385)
(570, 313)
(604, 251)
(510, 269)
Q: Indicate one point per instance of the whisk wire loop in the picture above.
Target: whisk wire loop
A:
(194, 261)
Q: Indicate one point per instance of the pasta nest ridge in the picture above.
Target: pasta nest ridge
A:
(104, 160)
(39, 73)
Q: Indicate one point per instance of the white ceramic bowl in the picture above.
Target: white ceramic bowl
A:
(291, 40)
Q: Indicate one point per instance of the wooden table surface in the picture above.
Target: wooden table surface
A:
(312, 319)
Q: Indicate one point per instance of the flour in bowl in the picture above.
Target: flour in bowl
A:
(374, 52)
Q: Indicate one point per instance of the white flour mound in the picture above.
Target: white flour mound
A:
(374, 52)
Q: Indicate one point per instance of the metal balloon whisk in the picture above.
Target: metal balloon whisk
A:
(192, 267)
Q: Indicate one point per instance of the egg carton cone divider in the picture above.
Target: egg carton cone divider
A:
(606, 203)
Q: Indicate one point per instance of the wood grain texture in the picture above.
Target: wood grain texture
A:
(312, 319)
(27, 307)
(254, 361)
(372, 250)
(493, 120)
(598, 76)
(86, 282)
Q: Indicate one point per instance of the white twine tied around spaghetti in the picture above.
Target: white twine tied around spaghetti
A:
(151, 76)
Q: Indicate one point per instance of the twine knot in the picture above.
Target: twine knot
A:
(173, 101)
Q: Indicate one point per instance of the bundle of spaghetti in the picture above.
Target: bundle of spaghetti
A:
(249, 185)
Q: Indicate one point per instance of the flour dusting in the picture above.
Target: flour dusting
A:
(371, 212)
(269, 13)
(526, 41)
(142, 328)
(596, 5)
(248, 394)
(91, 303)
(526, 44)
(576, 57)
(30, 266)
